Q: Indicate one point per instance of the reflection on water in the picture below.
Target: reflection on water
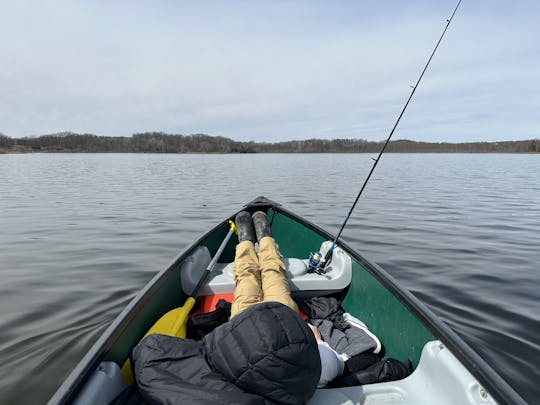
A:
(81, 234)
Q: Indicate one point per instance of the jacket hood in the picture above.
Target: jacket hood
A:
(267, 350)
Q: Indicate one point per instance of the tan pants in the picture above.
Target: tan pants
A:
(261, 278)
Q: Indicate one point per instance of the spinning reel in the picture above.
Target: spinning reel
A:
(316, 263)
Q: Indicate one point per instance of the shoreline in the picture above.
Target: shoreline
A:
(157, 142)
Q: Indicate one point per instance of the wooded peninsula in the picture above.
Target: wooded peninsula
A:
(159, 142)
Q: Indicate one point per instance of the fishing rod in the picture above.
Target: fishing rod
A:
(318, 263)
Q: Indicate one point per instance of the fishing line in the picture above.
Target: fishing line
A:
(316, 262)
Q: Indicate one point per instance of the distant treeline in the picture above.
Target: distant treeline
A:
(159, 142)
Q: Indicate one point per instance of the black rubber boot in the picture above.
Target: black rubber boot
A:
(262, 226)
(244, 225)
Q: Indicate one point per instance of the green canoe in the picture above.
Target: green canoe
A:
(446, 369)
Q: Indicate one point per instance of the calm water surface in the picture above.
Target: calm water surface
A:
(80, 234)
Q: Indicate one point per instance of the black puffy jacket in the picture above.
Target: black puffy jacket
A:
(264, 355)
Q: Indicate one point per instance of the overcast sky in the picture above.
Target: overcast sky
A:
(272, 70)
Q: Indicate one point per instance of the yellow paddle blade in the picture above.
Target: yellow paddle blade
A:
(173, 323)
(127, 374)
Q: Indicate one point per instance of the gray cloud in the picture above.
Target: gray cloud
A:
(269, 71)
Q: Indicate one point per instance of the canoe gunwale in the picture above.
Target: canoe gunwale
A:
(499, 389)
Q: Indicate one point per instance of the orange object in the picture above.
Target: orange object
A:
(209, 302)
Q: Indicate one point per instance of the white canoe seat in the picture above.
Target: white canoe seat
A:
(439, 379)
(303, 284)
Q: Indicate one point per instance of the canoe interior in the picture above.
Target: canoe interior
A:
(165, 295)
(401, 332)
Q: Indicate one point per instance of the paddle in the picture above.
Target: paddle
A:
(174, 322)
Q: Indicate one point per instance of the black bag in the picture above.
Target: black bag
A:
(361, 362)
(200, 325)
(382, 371)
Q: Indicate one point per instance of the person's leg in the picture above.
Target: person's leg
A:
(246, 271)
(247, 278)
(275, 286)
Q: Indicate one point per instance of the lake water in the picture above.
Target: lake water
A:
(80, 234)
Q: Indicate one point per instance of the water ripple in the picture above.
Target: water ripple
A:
(83, 233)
